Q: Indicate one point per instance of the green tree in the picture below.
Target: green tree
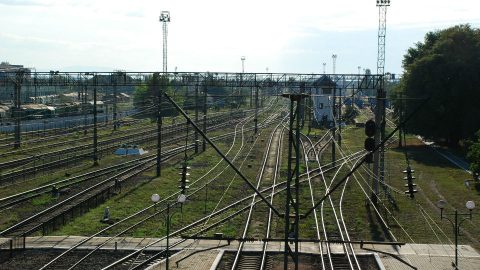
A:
(446, 68)
(147, 95)
(350, 113)
(473, 155)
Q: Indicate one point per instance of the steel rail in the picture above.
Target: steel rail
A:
(342, 219)
(104, 148)
(212, 144)
(322, 176)
(203, 227)
(26, 160)
(142, 211)
(200, 221)
(263, 261)
(259, 181)
(306, 159)
(334, 211)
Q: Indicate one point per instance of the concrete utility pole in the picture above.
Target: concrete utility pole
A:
(115, 83)
(196, 116)
(333, 129)
(95, 137)
(334, 105)
(204, 145)
(256, 107)
(16, 110)
(157, 80)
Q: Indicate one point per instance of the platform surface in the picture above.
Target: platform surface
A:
(422, 256)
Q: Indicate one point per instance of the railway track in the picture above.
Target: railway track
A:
(272, 153)
(222, 215)
(146, 210)
(18, 198)
(341, 232)
(39, 136)
(37, 221)
(49, 160)
(117, 179)
(250, 260)
(39, 144)
(168, 130)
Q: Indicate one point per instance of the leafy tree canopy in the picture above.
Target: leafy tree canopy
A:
(473, 156)
(146, 95)
(445, 67)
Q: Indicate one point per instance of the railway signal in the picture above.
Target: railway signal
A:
(183, 181)
(370, 128)
(411, 186)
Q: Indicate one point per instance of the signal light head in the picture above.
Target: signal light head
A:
(370, 128)
(369, 144)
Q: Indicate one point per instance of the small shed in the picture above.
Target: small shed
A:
(130, 150)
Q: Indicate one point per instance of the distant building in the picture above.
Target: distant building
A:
(4, 110)
(72, 97)
(7, 71)
(36, 111)
(7, 67)
(121, 98)
(100, 106)
(322, 98)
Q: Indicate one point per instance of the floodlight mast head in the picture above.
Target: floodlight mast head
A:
(383, 3)
(165, 16)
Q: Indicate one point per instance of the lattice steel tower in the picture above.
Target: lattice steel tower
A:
(165, 18)
(382, 31)
(379, 158)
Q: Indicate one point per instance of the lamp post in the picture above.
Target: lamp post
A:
(334, 62)
(470, 205)
(180, 199)
(243, 63)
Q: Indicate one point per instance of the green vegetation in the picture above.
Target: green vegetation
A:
(473, 156)
(436, 179)
(139, 197)
(350, 114)
(147, 95)
(444, 67)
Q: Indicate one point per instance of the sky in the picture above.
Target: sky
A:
(212, 35)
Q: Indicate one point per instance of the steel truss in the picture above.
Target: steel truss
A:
(220, 79)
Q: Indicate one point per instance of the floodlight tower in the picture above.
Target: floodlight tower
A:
(243, 63)
(382, 31)
(334, 62)
(165, 18)
(324, 67)
(378, 168)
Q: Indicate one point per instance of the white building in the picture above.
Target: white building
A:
(322, 99)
